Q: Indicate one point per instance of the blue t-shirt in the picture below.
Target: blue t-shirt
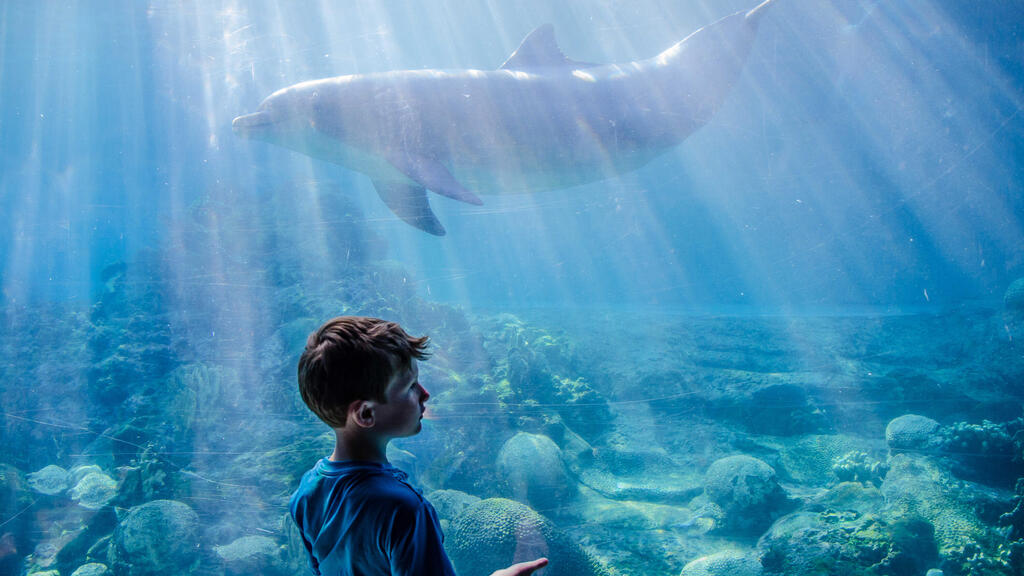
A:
(365, 519)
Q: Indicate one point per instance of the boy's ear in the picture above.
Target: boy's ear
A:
(361, 413)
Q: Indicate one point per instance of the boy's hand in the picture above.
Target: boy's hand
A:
(523, 568)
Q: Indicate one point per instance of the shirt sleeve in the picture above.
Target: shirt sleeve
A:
(309, 555)
(297, 514)
(417, 543)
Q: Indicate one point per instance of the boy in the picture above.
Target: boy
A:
(357, 514)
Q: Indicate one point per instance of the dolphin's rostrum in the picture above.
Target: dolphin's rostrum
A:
(539, 122)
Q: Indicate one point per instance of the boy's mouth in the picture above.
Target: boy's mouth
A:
(426, 413)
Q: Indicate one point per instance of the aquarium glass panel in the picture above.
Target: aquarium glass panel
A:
(695, 287)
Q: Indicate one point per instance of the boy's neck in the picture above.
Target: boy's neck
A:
(359, 447)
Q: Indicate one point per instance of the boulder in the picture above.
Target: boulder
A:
(92, 569)
(252, 555)
(846, 542)
(94, 491)
(159, 538)
(532, 467)
(451, 503)
(746, 491)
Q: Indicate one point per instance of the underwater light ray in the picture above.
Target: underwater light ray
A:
(5, 19)
(459, 280)
(648, 232)
(943, 221)
(834, 217)
(828, 240)
(27, 207)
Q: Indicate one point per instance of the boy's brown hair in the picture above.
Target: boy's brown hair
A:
(353, 358)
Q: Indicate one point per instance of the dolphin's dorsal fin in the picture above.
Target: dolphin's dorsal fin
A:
(540, 50)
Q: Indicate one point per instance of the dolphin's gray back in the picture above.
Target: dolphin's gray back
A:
(526, 130)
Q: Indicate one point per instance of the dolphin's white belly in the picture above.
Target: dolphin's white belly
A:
(515, 174)
(321, 147)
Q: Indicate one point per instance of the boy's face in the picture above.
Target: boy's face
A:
(401, 415)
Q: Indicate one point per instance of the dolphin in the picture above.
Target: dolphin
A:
(541, 121)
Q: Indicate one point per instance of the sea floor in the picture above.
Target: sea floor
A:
(623, 442)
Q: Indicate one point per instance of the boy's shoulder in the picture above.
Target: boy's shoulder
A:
(355, 480)
(391, 485)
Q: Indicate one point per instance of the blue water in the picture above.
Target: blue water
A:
(867, 155)
(868, 164)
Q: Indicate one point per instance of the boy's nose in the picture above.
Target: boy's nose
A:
(424, 394)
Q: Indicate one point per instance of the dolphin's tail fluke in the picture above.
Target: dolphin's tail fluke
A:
(755, 14)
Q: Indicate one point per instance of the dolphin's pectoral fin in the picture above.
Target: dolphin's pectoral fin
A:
(409, 203)
(432, 175)
(540, 50)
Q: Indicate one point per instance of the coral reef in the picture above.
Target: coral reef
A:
(535, 367)
(990, 452)
(859, 466)
(169, 393)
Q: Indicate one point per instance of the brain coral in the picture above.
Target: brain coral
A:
(911, 432)
(498, 532)
(724, 564)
